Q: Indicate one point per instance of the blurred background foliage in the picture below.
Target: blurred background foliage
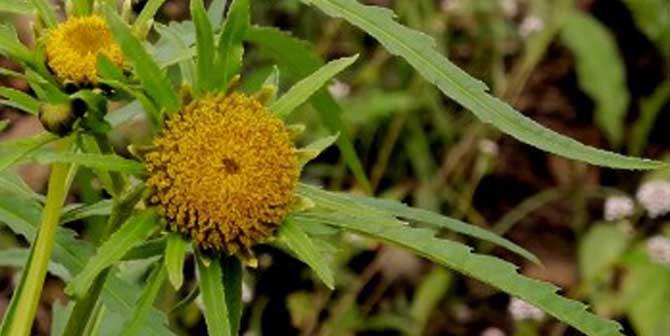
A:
(599, 74)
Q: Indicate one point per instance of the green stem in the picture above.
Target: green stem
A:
(33, 278)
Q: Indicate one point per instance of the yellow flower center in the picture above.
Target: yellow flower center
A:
(72, 49)
(224, 172)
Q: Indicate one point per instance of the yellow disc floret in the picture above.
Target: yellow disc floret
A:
(224, 172)
(72, 49)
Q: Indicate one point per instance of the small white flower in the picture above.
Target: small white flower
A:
(522, 310)
(488, 147)
(655, 197)
(339, 89)
(492, 331)
(510, 7)
(531, 24)
(618, 207)
(658, 248)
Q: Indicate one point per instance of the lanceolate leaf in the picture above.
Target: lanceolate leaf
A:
(205, 56)
(20, 100)
(230, 49)
(13, 151)
(153, 79)
(418, 49)
(231, 267)
(22, 216)
(338, 211)
(441, 222)
(292, 237)
(146, 301)
(215, 11)
(18, 257)
(175, 252)
(214, 296)
(104, 162)
(600, 69)
(102, 208)
(147, 14)
(304, 89)
(299, 60)
(133, 232)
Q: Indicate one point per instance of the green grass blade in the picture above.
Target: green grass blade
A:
(18, 257)
(230, 48)
(305, 88)
(131, 234)
(154, 283)
(298, 243)
(46, 12)
(231, 267)
(172, 35)
(103, 162)
(341, 212)
(16, 7)
(214, 296)
(205, 56)
(13, 151)
(154, 81)
(11, 47)
(600, 70)
(298, 60)
(418, 49)
(175, 253)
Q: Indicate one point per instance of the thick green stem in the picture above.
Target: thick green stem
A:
(33, 277)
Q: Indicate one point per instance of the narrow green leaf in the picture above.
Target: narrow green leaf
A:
(417, 49)
(311, 151)
(187, 66)
(154, 81)
(11, 46)
(650, 107)
(103, 162)
(231, 267)
(11, 73)
(205, 56)
(108, 70)
(441, 222)
(292, 237)
(3, 124)
(12, 183)
(214, 296)
(46, 12)
(21, 100)
(15, 7)
(175, 253)
(23, 216)
(298, 59)
(59, 316)
(304, 89)
(154, 283)
(215, 12)
(102, 208)
(148, 12)
(14, 150)
(133, 232)
(600, 70)
(341, 212)
(230, 48)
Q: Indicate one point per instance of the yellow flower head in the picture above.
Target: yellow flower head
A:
(72, 49)
(224, 172)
